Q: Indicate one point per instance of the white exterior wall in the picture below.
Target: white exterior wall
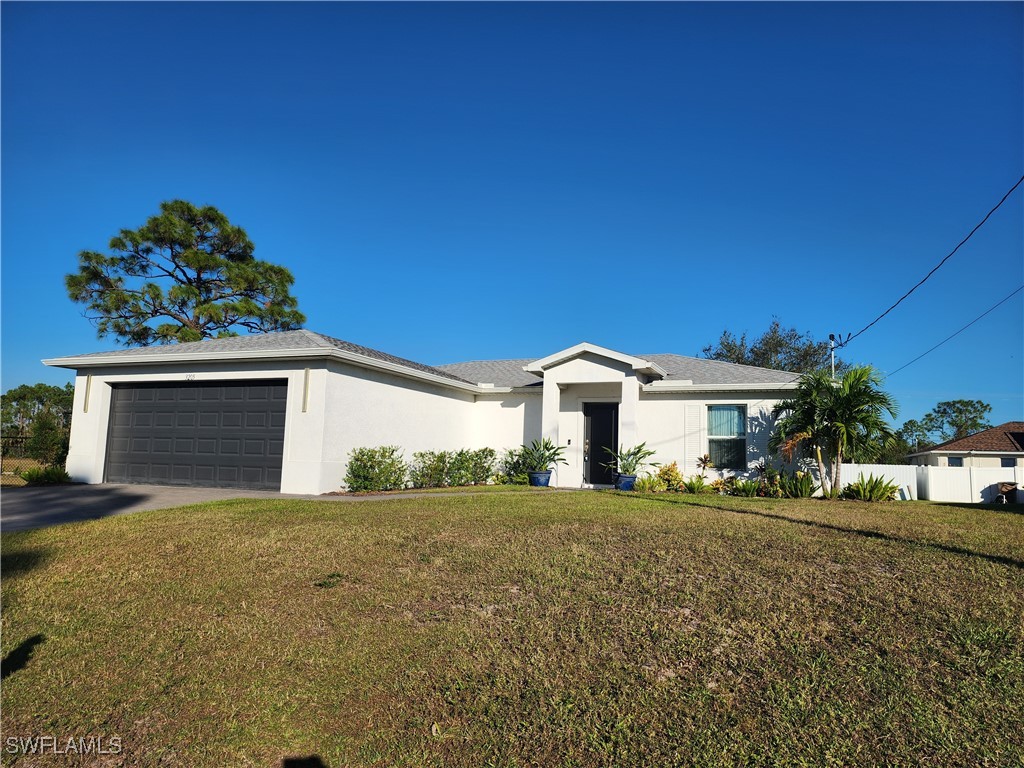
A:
(988, 460)
(348, 406)
(676, 425)
(506, 421)
(365, 409)
(303, 431)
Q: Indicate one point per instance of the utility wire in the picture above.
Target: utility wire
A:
(934, 270)
(1021, 288)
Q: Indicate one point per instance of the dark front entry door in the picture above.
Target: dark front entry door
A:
(601, 432)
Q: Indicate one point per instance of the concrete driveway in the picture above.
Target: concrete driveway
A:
(38, 507)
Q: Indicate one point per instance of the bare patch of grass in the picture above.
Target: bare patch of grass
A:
(526, 629)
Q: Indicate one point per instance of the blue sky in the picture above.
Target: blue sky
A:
(467, 181)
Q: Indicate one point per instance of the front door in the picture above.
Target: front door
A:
(601, 432)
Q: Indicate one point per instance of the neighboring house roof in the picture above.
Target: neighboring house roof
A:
(678, 370)
(698, 371)
(1006, 438)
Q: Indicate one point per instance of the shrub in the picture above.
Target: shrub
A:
(696, 484)
(722, 485)
(800, 485)
(650, 484)
(742, 487)
(670, 475)
(768, 481)
(481, 465)
(512, 468)
(430, 469)
(441, 469)
(376, 469)
(872, 489)
(45, 476)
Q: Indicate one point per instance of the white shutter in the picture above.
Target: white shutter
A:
(693, 431)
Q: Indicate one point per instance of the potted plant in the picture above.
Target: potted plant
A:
(628, 463)
(538, 459)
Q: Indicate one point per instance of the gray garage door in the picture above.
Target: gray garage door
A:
(226, 434)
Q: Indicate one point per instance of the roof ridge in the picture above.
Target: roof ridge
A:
(318, 338)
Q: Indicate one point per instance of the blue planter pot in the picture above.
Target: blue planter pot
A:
(540, 479)
(624, 482)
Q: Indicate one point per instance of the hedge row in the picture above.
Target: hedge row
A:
(384, 469)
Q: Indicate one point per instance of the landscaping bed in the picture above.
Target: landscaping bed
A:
(522, 629)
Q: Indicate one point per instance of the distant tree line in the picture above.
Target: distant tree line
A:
(35, 419)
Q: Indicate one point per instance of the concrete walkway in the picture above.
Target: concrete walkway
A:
(39, 507)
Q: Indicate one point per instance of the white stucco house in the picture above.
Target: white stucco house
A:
(283, 410)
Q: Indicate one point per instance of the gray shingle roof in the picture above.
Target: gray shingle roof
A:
(510, 373)
(501, 373)
(279, 341)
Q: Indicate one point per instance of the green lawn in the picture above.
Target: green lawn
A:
(550, 629)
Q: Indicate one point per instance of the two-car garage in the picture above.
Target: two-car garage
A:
(224, 434)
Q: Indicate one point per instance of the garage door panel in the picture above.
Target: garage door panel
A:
(204, 474)
(255, 447)
(138, 472)
(227, 434)
(209, 419)
(255, 419)
(159, 473)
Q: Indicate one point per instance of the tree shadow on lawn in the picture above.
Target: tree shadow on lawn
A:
(868, 534)
(20, 656)
(313, 761)
(14, 561)
(1013, 509)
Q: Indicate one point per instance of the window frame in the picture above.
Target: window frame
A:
(1007, 462)
(736, 438)
(958, 459)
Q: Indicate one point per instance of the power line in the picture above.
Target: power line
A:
(958, 332)
(935, 268)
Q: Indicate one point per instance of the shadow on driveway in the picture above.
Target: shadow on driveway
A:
(27, 507)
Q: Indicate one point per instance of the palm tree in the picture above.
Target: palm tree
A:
(803, 425)
(836, 418)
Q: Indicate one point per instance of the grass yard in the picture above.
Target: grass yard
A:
(548, 629)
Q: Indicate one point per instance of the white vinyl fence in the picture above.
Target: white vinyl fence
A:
(903, 475)
(970, 485)
(967, 485)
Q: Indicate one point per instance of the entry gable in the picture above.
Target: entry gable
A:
(596, 353)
